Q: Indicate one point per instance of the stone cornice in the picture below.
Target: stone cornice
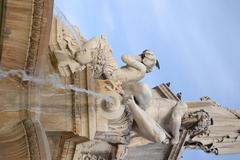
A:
(2, 20)
(40, 31)
(35, 35)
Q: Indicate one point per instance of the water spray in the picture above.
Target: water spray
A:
(51, 79)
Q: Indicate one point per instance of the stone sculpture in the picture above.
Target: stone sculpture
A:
(155, 118)
(96, 54)
(67, 99)
(71, 56)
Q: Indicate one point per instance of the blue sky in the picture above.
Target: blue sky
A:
(196, 42)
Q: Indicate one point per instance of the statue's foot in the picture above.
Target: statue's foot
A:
(166, 141)
(174, 140)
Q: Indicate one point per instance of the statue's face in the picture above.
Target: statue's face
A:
(149, 60)
(149, 63)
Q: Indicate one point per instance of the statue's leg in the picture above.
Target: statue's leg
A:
(141, 92)
(148, 127)
(175, 121)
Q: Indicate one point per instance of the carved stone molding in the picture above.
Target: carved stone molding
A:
(35, 35)
(37, 141)
(2, 21)
(83, 109)
(39, 35)
(32, 140)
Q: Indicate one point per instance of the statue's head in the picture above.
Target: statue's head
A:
(149, 60)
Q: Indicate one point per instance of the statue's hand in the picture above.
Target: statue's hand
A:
(161, 137)
(166, 141)
(128, 100)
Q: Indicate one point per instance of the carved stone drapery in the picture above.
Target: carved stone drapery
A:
(118, 129)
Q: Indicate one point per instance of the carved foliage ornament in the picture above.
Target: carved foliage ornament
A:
(196, 122)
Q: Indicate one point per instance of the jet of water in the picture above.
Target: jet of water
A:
(53, 80)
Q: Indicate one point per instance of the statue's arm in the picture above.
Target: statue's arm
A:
(146, 124)
(133, 71)
(133, 62)
(175, 120)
